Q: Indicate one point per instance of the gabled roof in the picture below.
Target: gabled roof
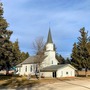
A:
(49, 39)
(32, 60)
(55, 67)
(19, 65)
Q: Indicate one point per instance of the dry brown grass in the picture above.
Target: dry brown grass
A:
(15, 82)
(21, 82)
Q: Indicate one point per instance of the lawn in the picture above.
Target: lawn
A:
(14, 82)
(22, 82)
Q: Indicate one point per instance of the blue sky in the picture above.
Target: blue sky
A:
(29, 19)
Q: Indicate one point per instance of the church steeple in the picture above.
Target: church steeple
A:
(49, 39)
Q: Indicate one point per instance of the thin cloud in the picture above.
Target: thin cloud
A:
(30, 18)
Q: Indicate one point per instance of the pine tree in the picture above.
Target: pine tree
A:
(76, 61)
(80, 54)
(5, 43)
(83, 50)
(88, 47)
(67, 61)
(10, 54)
(60, 59)
(16, 52)
(18, 56)
(23, 56)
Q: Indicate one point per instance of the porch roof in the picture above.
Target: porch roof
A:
(55, 67)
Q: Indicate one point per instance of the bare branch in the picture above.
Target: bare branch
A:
(38, 45)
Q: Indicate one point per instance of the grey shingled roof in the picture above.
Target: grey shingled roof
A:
(55, 67)
(32, 60)
(19, 65)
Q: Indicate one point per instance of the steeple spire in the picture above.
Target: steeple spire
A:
(49, 39)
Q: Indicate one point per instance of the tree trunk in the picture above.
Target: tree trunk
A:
(7, 72)
(86, 72)
(39, 72)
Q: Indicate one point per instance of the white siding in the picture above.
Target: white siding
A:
(49, 59)
(49, 46)
(23, 69)
(46, 74)
(50, 53)
(66, 72)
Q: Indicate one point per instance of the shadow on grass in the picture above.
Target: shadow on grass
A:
(20, 82)
(5, 77)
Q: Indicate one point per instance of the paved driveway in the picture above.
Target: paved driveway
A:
(64, 85)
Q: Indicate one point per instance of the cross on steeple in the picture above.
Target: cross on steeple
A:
(49, 39)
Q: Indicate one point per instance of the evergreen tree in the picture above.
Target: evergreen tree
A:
(60, 59)
(67, 61)
(88, 47)
(27, 55)
(5, 43)
(80, 54)
(83, 49)
(23, 56)
(76, 61)
(10, 54)
(18, 56)
(16, 52)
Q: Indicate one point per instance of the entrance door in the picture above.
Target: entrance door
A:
(54, 74)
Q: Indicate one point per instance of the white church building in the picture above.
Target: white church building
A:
(49, 66)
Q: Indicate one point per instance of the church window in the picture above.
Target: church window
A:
(36, 68)
(26, 69)
(19, 69)
(31, 68)
(52, 62)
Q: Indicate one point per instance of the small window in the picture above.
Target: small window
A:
(31, 68)
(26, 69)
(52, 62)
(36, 68)
(19, 69)
(66, 72)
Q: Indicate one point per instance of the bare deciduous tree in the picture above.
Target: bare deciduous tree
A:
(38, 46)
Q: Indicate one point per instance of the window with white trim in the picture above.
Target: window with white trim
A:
(26, 69)
(31, 68)
(66, 72)
(52, 61)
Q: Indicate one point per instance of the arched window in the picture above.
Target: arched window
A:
(26, 69)
(31, 68)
